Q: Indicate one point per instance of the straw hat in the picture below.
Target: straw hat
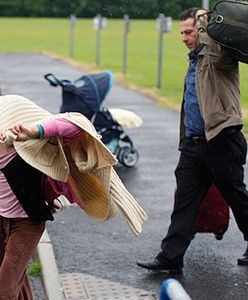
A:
(86, 164)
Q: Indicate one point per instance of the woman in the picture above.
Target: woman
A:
(41, 157)
(21, 230)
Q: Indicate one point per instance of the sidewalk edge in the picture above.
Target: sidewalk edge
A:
(50, 274)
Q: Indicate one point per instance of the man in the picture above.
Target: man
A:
(213, 149)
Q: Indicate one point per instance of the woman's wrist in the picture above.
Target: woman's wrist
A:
(40, 131)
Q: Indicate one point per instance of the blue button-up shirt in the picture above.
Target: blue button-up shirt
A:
(194, 124)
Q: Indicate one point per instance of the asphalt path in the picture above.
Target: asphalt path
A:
(109, 249)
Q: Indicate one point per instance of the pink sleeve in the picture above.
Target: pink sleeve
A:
(62, 128)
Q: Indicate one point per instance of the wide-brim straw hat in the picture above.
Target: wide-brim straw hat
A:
(87, 164)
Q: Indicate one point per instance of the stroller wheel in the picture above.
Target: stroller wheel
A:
(128, 156)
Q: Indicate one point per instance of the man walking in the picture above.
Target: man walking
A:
(213, 148)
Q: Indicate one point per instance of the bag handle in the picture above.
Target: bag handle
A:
(54, 81)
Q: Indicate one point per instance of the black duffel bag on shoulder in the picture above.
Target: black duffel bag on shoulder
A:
(228, 26)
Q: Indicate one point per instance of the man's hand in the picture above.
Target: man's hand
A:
(202, 15)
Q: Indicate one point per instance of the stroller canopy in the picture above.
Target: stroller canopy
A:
(94, 88)
(84, 95)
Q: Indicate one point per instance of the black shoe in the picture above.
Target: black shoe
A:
(156, 265)
(243, 261)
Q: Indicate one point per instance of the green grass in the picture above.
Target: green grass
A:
(53, 35)
(34, 269)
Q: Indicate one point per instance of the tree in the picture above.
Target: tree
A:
(88, 8)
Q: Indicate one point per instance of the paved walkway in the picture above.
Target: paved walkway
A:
(84, 249)
(29, 82)
(81, 286)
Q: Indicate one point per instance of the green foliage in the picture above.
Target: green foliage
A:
(142, 9)
(34, 269)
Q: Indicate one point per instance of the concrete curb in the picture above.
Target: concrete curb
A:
(50, 274)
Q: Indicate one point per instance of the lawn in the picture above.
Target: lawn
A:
(53, 36)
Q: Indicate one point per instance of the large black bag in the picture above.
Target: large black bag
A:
(228, 26)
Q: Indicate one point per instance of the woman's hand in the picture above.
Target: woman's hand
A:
(24, 132)
(2, 136)
(56, 206)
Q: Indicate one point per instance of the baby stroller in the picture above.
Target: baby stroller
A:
(86, 95)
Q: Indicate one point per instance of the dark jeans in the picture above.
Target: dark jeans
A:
(18, 241)
(220, 161)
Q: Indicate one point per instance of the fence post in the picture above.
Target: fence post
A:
(72, 25)
(163, 25)
(99, 23)
(205, 4)
(98, 39)
(126, 30)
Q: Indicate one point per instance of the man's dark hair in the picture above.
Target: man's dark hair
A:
(189, 13)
